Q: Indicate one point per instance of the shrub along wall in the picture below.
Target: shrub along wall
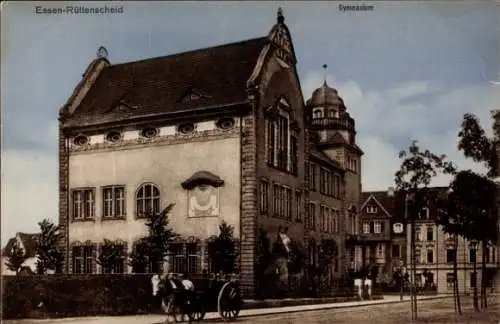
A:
(69, 296)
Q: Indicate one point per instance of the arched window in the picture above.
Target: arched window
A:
(147, 200)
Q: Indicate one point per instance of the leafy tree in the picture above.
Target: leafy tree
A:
(222, 251)
(153, 248)
(49, 257)
(15, 258)
(475, 145)
(473, 197)
(413, 178)
(111, 256)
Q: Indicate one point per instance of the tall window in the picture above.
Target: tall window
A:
(380, 251)
(472, 255)
(83, 259)
(395, 251)
(338, 186)
(192, 258)
(184, 258)
(298, 205)
(430, 234)
(473, 279)
(430, 256)
(271, 142)
(264, 194)
(118, 267)
(177, 258)
(312, 176)
(450, 255)
(276, 200)
(312, 215)
(148, 200)
(418, 256)
(294, 154)
(450, 279)
(83, 204)
(377, 227)
(366, 228)
(283, 134)
(113, 199)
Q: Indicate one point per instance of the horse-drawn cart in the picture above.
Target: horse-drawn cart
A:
(211, 294)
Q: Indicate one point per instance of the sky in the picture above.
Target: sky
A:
(406, 71)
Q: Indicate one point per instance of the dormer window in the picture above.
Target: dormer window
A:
(113, 137)
(186, 128)
(80, 140)
(371, 210)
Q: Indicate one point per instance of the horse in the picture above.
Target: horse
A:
(172, 292)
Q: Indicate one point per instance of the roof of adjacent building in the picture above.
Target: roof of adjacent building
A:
(382, 197)
(28, 240)
(208, 77)
(323, 157)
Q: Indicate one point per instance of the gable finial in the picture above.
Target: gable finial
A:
(325, 67)
(102, 52)
(280, 17)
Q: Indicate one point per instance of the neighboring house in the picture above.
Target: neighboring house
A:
(434, 250)
(222, 132)
(28, 243)
(375, 217)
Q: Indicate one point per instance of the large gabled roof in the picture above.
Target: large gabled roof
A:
(208, 77)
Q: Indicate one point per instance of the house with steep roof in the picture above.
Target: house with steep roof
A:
(222, 132)
(27, 242)
(384, 221)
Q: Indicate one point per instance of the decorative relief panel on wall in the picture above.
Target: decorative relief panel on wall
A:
(203, 194)
(203, 201)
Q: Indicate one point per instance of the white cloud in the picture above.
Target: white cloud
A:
(387, 121)
(29, 191)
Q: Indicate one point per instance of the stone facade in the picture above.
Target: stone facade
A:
(258, 168)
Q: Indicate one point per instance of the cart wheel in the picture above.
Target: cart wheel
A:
(229, 301)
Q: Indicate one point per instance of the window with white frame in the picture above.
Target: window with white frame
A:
(380, 251)
(377, 227)
(278, 138)
(83, 203)
(298, 205)
(366, 227)
(450, 279)
(147, 200)
(424, 213)
(371, 209)
(83, 259)
(113, 202)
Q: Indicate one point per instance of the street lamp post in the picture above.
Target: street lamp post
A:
(474, 245)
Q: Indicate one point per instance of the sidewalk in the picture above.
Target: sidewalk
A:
(143, 319)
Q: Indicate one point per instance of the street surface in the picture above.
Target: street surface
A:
(429, 311)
